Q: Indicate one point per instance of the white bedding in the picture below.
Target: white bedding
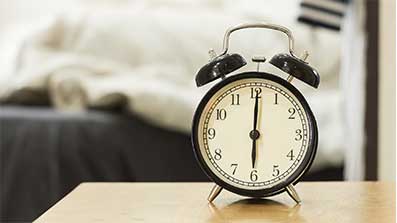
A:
(147, 59)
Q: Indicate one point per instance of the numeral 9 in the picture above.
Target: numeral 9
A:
(211, 133)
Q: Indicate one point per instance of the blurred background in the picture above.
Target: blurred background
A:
(103, 90)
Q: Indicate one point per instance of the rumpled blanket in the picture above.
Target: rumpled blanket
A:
(145, 61)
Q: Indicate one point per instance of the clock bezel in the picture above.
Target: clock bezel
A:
(299, 172)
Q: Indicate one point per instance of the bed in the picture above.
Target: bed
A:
(46, 153)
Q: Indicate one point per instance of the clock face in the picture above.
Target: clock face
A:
(254, 133)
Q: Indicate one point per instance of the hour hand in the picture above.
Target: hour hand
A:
(253, 153)
(254, 135)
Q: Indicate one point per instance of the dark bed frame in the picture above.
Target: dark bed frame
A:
(371, 89)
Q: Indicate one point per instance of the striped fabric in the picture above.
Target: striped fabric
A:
(323, 13)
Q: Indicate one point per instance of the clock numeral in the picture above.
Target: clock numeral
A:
(276, 171)
(290, 155)
(211, 133)
(254, 176)
(218, 154)
(256, 91)
(276, 99)
(220, 114)
(299, 135)
(235, 99)
(292, 113)
(234, 165)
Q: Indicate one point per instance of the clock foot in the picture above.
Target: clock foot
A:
(293, 194)
(215, 191)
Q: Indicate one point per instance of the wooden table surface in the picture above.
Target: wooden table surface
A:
(334, 202)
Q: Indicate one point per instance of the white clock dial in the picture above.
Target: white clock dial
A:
(224, 131)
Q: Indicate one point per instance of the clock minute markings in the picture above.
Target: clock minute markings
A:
(294, 113)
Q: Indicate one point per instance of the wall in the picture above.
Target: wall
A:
(387, 91)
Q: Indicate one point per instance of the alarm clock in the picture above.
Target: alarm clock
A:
(254, 133)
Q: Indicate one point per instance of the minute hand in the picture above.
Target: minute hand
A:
(256, 112)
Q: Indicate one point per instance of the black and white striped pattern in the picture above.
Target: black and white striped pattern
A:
(323, 13)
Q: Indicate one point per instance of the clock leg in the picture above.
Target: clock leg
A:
(215, 191)
(293, 194)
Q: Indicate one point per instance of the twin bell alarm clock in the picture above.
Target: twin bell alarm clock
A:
(253, 133)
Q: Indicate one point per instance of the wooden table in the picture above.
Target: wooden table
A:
(334, 202)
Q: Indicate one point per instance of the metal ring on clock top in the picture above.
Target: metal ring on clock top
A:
(259, 25)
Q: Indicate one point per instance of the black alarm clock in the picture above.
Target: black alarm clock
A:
(253, 133)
